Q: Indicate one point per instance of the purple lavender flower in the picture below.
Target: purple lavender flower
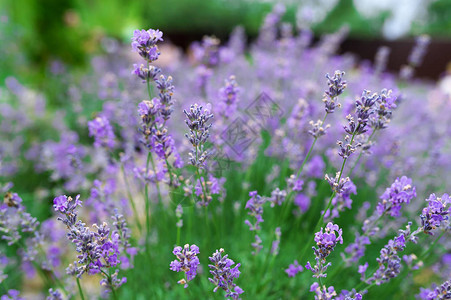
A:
(277, 197)
(255, 205)
(389, 260)
(229, 98)
(293, 269)
(323, 293)
(357, 248)
(436, 213)
(336, 87)
(418, 52)
(197, 122)
(186, 261)
(224, 273)
(257, 245)
(54, 295)
(341, 200)
(276, 242)
(12, 295)
(144, 42)
(146, 73)
(14, 220)
(326, 242)
(436, 292)
(98, 249)
(102, 131)
(401, 191)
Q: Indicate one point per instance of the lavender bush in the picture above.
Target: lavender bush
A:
(268, 150)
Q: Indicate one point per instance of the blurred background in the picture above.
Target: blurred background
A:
(37, 33)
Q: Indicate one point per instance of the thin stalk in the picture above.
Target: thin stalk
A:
(361, 152)
(130, 198)
(80, 290)
(321, 219)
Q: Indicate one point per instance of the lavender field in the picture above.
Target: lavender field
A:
(265, 168)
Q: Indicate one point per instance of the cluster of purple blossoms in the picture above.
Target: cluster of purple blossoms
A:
(255, 205)
(14, 220)
(198, 123)
(277, 197)
(102, 131)
(293, 269)
(436, 292)
(323, 292)
(213, 186)
(336, 85)
(155, 113)
(326, 242)
(416, 57)
(383, 110)
(207, 54)
(228, 95)
(186, 261)
(224, 273)
(98, 249)
(401, 191)
(317, 129)
(12, 295)
(54, 295)
(389, 261)
(436, 213)
(144, 42)
(341, 200)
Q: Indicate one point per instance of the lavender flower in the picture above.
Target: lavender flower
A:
(326, 242)
(436, 213)
(293, 269)
(197, 122)
(436, 292)
(12, 295)
(277, 197)
(276, 242)
(144, 42)
(418, 52)
(255, 205)
(323, 293)
(389, 260)
(14, 220)
(98, 249)
(178, 214)
(146, 73)
(383, 110)
(186, 261)
(336, 87)
(224, 273)
(341, 200)
(228, 95)
(401, 191)
(54, 295)
(317, 130)
(257, 245)
(102, 131)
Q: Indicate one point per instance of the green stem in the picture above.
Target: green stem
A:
(80, 290)
(130, 198)
(361, 152)
(321, 219)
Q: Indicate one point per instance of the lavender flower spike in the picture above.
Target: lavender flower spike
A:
(401, 191)
(436, 213)
(326, 242)
(223, 274)
(336, 87)
(186, 261)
